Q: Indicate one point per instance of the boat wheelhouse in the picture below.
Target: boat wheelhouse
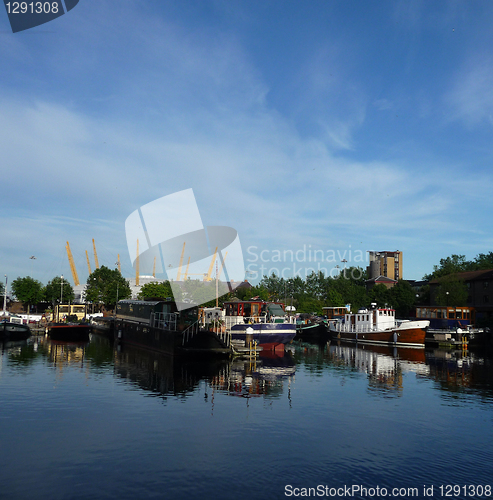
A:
(161, 326)
(335, 312)
(379, 326)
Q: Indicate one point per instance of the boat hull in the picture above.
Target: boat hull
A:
(168, 342)
(67, 332)
(414, 336)
(10, 332)
(312, 330)
(267, 335)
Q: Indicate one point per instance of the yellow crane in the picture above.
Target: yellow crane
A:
(186, 271)
(95, 254)
(178, 274)
(119, 265)
(72, 265)
(208, 276)
(88, 263)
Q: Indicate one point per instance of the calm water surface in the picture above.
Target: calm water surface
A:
(92, 422)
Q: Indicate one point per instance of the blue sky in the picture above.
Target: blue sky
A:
(337, 126)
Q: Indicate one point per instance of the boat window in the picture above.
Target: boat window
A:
(451, 314)
(247, 309)
(255, 309)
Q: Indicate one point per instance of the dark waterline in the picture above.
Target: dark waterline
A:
(84, 422)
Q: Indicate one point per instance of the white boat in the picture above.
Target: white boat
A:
(378, 326)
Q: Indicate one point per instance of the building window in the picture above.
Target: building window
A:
(485, 284)
(486, 299)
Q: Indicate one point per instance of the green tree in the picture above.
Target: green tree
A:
(335, 299)
(450, 265)
(107, 286)
(379, 294)
(452, 291)
(59, 289)
(483, 261)
(2, 289)
(28, 291)
(402, 297)
(155, 289)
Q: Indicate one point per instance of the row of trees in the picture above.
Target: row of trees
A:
(104, 286)
(452, 289)
(308, 295)
(458, 264)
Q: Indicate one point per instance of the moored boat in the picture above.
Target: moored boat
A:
(265, 323)
(12, 331)
(69, 332)
(379, 326)
(311, 327)
(161, 326)
(104, 325)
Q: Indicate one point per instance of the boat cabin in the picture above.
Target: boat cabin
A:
(367, 320)
(447, 317)
(156, 313)
(335, 312)
(256, 310)
(63, 311)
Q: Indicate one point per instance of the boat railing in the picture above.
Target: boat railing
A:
(164, 321)
(344, 328)
(190, 332)
(230, 321)
(194, 328)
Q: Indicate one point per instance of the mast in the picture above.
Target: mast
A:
(5, 296)
(137, 266)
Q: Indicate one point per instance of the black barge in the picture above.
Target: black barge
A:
(162, 326)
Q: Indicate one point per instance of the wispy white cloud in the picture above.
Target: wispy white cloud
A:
(470, 98)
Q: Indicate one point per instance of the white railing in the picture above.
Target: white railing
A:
(230, 321)
(190, 332)
(194, 328)
(356, 329)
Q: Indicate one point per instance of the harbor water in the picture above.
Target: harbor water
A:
(94, 421)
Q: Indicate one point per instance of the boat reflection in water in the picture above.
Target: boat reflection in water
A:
(164, 375)
(265, 375)
(454, 370)
(384, 365)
